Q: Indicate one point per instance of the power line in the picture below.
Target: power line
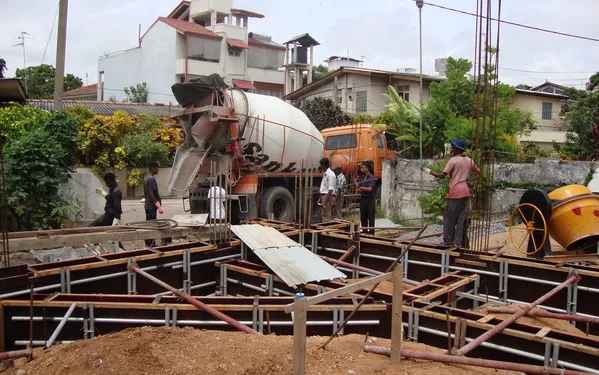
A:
(50, 34)
(516, 23)
(541, 72)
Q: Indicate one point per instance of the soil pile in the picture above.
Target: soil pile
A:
(165, 351)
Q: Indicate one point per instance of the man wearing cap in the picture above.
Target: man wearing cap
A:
(458, 169)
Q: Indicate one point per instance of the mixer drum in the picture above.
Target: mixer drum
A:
(574, 221)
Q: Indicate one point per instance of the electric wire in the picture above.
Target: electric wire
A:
(50, 34)
(517, 24)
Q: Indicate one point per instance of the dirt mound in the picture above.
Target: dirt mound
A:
(169, 351)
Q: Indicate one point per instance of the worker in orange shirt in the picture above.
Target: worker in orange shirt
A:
(458, 169)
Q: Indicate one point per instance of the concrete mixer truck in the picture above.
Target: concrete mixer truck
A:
(262, 141)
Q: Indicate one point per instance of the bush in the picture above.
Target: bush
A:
(141, 150)
(434, 203)
(17, 119)
(36, 169)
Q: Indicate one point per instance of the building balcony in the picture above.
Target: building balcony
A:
(198, 67)
(266, 75)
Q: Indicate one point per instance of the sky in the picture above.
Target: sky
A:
(384, 33)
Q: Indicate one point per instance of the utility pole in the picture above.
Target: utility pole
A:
(419, 4)
(61, 45)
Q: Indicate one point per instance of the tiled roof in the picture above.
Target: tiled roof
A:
(541, 93)
(189, 27)
(264, 43)
(83, 91)
(364, 71)
(237, 43)
(108, 108)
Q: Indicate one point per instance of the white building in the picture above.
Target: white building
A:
(199, 37)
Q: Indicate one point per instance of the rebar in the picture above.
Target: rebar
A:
(485, 108)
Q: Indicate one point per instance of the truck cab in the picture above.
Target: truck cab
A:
(347, 146)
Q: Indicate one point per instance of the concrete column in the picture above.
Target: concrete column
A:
(212, 18)
(298, 79)
(245, 22)
(237, 21)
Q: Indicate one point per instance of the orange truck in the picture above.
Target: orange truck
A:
(348, 146)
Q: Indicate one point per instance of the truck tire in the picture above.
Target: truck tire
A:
(278, 203)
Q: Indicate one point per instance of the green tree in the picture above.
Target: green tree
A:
(324, 113)
(593, 82)
(137, 93)
(319, 71)
(142, 150)
(582, 115)
(2, 67)
(40, 81)
(38, 163)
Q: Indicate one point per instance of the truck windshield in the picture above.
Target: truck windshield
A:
(337, 142)
(380, 140)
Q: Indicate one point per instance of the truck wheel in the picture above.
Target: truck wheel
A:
(278, 203)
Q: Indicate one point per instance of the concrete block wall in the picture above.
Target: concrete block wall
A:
(401, 185)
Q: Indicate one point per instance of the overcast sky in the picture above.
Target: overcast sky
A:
(382, 32)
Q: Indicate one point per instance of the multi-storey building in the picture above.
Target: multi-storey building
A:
(199, 37)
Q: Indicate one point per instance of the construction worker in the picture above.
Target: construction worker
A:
(216, 200)
(327, 189)
(340, 191)
(458, 169)
(153, 202)
(112, 208)
(367, 188)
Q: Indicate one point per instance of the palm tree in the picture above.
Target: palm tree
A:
(2, 67)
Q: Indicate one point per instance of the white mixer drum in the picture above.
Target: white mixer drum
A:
(276, 136)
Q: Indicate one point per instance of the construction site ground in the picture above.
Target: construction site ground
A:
(170, 351)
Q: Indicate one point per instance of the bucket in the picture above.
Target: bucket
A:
(574, 221)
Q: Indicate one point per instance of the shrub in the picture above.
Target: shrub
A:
(141, 150)
(16, 119)
(36, 169)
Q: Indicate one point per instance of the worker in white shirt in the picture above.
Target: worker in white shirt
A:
(327, 189)
(340, 191)
(216, 199)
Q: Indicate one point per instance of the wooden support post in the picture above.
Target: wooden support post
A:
(396, 325)
(299, 334)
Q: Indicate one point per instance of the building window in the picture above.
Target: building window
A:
(404, 92)
(361, 101)
(338, 142)
(380, 140)
(203, 49)
(235, 51)
(547, 111)
(339, 96)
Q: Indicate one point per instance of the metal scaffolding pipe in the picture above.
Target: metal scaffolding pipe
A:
(345, 255)
(339, 262)
(61, 325)
(446, 358)
(538, 312)
(504, 324)
(14, 354)
(194, 301)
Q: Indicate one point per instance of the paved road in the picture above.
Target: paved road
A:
(133, 210)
